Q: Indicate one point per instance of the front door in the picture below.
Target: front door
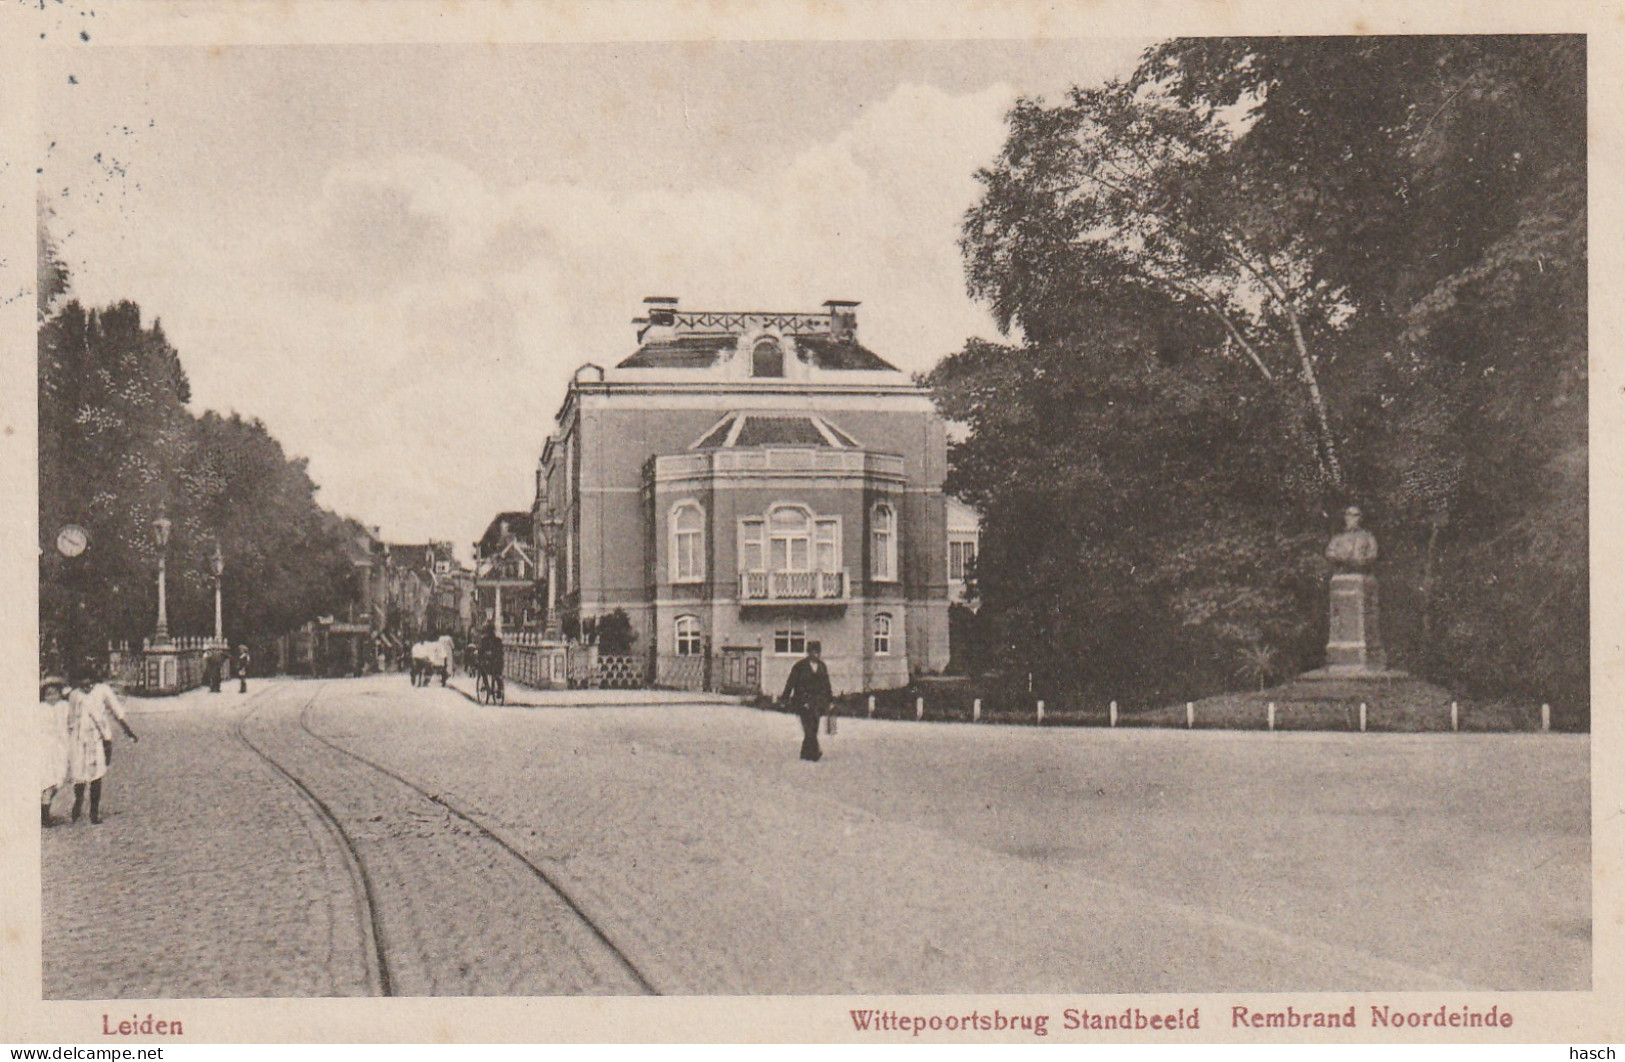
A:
(741, 670)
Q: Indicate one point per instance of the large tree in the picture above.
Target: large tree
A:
(1138, 537)
(118, 447)
(1117, 187)
(114, 438)
(1386, 236)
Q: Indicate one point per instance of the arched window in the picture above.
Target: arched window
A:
(882, 635)
(688, 636)
(789, 531)
(883, 545)
(767, 358)
(687, 543)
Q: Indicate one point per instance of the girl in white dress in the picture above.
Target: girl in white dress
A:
(92, 709)
(53, 724)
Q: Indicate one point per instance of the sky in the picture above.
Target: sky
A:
(396, 256)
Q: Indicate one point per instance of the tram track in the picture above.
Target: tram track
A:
(441, 895)
(376, 956)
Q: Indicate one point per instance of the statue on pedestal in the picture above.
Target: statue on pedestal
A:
(1353, 549)
(1354, 643)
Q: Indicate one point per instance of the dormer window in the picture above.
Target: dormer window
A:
(767, 358)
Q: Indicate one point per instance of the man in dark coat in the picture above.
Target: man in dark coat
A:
(807, 693)
(491, 659)
(242, 669)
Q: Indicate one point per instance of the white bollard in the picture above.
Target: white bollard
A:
(871, 706)
(1455, 716)
(1272, 715)
(1114, 713)
(1545, 717)
(919, 708)
(976, 710)
(1190, 715)
(1362, 717)
(1040, 713)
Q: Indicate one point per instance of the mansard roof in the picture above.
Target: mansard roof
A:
(702, 352)
(741, 429)
(827, 353)
(672, 338)
(683, 352)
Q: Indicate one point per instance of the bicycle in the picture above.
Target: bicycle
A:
(490, 689)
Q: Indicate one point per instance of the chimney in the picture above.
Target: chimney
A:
(659, 320)
(843, 320)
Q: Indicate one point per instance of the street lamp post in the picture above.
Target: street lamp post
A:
(550, 530)
(217, 563)
(160, 532)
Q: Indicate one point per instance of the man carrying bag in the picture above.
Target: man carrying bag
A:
(807, 693)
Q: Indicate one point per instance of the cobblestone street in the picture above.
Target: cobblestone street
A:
(363, 836)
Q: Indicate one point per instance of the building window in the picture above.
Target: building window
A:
(827, 545)
(795, 541)
(767, 358)
(790, 640)
(687, 543)
(688, 636)
(789, 539)
(751, 556)
(883, 545)
(882, 635)
(961, 558)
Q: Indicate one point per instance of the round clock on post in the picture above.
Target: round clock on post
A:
(72, 540)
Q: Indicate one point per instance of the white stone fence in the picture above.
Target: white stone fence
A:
(1270, 715)
(161, 670)
(535, 660)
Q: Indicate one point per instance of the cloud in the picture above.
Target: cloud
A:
(422, 324)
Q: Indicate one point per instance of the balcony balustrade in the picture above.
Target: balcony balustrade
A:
(801, 587)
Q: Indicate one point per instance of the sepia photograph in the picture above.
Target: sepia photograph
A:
(1032, 536)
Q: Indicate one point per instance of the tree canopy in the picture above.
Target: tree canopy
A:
(1254, 281)
(118, 447)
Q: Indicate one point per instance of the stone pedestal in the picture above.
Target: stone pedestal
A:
(1354, 645)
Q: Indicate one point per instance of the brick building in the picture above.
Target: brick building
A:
(743, 483)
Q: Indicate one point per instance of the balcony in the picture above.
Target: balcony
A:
(792, 588)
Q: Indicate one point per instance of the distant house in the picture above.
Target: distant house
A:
(506, 573)
(415, 571)
(745, 483)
